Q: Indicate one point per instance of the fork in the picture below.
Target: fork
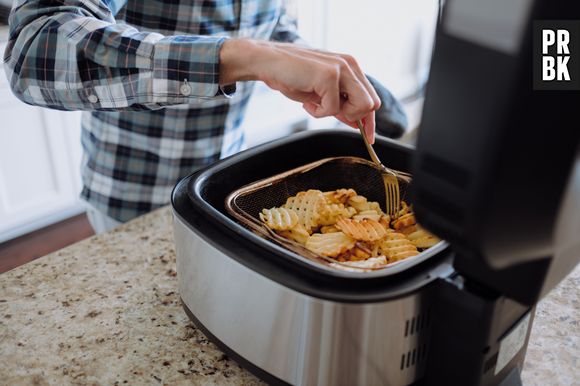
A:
(390, 178)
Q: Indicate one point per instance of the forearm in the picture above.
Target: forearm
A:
(244, 59)
(75, 57)
(326, 83)
(236, 57)
(71, 55)
(251, 59)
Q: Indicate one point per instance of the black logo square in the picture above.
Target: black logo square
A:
(556, 51)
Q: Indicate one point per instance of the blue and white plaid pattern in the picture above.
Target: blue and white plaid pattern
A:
(146, 72)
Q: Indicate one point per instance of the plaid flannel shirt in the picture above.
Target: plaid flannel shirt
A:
(146, 72)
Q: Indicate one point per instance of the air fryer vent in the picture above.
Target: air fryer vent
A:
(417, 323)
(414, 326)
(414, 357)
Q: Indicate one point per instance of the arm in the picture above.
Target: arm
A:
(326, 83)
(286, 31)
(71, 55)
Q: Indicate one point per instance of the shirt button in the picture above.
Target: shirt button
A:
(185, 89)
(93, 98)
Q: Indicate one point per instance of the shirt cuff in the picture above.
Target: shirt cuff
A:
(228, 90)
(187, 67)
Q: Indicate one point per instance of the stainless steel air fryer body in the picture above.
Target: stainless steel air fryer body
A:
(285, 320)
(300, 339)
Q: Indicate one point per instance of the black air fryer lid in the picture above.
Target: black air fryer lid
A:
(497, 166)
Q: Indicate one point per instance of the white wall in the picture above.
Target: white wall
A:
(391, 39)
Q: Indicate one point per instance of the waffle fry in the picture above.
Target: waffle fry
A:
(339, 196)
(404, 221)
(329, 229)
(360, 252)
(279, 219)
(385, 221)
(371, 263)
(395, 246)
(330, 213)
(329, 244)
(298, 234)
(404, 209)
(308, 205)
(365, 230)
(348, 228)
(369, 213)
(373, 205)
(357, 202)
(408, 230)
(361, 204)
(422, 239)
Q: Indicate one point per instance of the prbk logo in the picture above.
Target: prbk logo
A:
(555, 67)
(557, 55)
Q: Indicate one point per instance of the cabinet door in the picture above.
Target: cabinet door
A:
(39, 165)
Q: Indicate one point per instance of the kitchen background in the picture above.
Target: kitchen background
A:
(40, 149)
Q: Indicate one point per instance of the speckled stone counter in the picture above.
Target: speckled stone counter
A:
(106, 311)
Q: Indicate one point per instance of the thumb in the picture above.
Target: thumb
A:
(369, 127)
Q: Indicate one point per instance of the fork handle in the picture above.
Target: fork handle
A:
(370, 149)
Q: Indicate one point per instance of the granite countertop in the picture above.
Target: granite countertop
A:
(106, 311)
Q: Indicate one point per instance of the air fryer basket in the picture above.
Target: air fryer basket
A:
(246, 203)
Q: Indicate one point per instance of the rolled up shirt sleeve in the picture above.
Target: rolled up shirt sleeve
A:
(72, 55)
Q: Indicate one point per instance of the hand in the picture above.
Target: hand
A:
(327, 84)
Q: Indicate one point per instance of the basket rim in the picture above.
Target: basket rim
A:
(297, 250)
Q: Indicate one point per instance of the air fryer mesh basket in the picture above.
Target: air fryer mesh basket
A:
(246, 203)
(324, 175)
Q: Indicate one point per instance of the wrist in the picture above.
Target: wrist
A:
(239, 60)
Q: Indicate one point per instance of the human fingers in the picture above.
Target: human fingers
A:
(327, 87)
(349, 61)
(359, 73)
(295, 71)
(358, 103)
(301, 96)
(369, 124)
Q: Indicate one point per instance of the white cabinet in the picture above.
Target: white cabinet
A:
(39, 165)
